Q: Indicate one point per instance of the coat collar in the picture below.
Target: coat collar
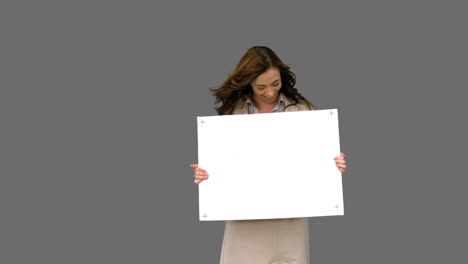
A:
(279, 105)
(242, 108)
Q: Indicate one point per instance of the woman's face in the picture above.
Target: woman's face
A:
(266, 87)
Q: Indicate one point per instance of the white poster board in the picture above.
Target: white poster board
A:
(263, 166)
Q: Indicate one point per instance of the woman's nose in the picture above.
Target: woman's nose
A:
(269, 92)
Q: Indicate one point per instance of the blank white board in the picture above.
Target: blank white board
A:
(264, 166)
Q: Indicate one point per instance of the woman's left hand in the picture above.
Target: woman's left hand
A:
(341, 162)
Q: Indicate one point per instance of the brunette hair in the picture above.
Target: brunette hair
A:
(256, 60)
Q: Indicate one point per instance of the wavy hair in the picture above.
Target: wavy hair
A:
(256, 60)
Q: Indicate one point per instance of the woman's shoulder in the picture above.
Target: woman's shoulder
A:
(301, 105)
(240, 107)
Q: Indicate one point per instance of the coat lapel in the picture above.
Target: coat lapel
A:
(243, 109)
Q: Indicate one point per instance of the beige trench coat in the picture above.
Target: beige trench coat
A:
(269, 241)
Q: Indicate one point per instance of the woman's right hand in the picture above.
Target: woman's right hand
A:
(199, 174)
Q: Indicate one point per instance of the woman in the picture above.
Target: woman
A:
(262, 83)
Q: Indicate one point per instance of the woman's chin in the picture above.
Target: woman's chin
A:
(270, 100)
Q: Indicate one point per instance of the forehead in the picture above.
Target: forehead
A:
(268, 77)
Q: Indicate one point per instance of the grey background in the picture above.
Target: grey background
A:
(98, 124)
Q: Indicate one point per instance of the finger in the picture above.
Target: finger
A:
(194, 165)
(339, 163)
(201, 173)
(198, 169)
(342, 154)
(200, 179)
(340, 166)
(197, 181)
